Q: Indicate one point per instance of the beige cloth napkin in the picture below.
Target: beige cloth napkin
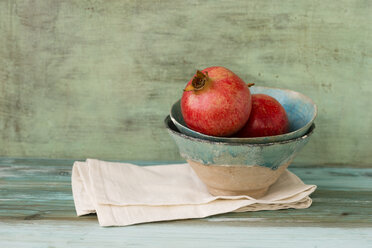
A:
(124, 194)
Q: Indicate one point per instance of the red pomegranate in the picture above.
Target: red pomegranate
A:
(216, 102)
(267, 118)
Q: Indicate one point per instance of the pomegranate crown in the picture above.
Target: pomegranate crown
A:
(201, 80)
(198, 82)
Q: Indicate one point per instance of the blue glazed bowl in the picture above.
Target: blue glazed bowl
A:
(237, 168)
(301, 112)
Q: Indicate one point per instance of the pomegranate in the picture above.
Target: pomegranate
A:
(216, 102)
(267, 118)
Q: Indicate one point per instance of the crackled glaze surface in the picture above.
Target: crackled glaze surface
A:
(271, 155)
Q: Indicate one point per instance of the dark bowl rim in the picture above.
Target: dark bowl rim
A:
(246, 140)
(178, 133)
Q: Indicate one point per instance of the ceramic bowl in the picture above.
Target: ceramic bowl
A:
(237, 168)
(301, 112)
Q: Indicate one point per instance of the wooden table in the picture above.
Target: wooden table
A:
(37, 210)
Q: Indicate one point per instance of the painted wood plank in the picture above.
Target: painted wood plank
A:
(179, 234)
(41, 190)
(96, 78)
(36, 210)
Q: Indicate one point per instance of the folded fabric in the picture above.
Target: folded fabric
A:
(124, 194)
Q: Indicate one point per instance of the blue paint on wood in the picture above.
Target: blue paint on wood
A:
(39, 233)
(37, 210)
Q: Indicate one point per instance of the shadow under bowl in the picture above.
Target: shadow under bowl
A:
(300, 109)
(237, 168)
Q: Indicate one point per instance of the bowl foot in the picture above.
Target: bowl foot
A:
(257, 193)
(224, 180)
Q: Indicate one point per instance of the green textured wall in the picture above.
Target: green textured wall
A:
(96, 78)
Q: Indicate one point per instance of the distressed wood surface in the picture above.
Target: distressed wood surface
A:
(96, 78)
(36, 210)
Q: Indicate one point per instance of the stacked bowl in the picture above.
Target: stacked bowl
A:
(245, 166)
